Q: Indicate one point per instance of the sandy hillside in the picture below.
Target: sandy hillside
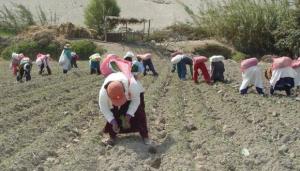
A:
(55, 124)
(161, 12)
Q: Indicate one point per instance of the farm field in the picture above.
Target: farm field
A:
(53, 123)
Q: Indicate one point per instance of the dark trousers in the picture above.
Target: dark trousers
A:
(217, 71)
(259, 90)
(181, 67)
(42, 69)
(74, 63)
(283, 84)
(23, 73)
(95, 67)
(138, 123)
(95, 70)
(148, 62)
(181, 70)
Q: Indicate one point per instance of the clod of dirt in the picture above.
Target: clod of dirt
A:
(152, 149)
(67, 113)
(51, 159)
(121, 150)
(162, 121)
(40, 169)
(292, 155)
(229, 133)
(245, 152)
(102, 152)
(114, 168)
(275, 114)
(162, 135)
(190, 127)
(202, 167)
(287, 163)
(285, 139)
(283, 149)
(74, 131)
(156, 163)
(76, 107)
(76, 140)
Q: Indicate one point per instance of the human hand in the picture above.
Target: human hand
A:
(115, 126)
(127, 121)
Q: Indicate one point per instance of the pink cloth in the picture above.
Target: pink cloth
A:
(247, 63)
(296, 63)
(199, 59)
(123, 65)
(281, 62)
(16, 59)
(145, 56)
(42, 59)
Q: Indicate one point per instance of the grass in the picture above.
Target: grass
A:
(6, 34)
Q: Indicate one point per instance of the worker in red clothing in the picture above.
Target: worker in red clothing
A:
(198, 63)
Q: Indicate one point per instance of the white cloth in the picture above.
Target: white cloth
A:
(64, 61)
(140, 67)
(281, 73)
(129, 54)
(177, 59)
(216, 58)
(132, 92)
(140, 85)
(297, 78)
(252, 75)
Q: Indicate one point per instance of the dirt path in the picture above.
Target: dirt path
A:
(55, 124)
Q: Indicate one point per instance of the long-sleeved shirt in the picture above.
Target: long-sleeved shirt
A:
(132, 93)
(281, 73)
(252, 75)
(187, 61)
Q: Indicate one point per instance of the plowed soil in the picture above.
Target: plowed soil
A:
(53, 123)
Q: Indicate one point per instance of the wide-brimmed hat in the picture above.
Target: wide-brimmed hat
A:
(129, 54)
(67, 46)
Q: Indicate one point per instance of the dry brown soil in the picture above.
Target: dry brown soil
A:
(53, 123)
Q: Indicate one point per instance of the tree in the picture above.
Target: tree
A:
(96, 11)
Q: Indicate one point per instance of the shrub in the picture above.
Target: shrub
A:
(54, 49)
(94, 14)
(213, 49)
(238, 56)
(248, 25)
(85, 48)
(287, 35)
(28, 48)
(31, 48)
